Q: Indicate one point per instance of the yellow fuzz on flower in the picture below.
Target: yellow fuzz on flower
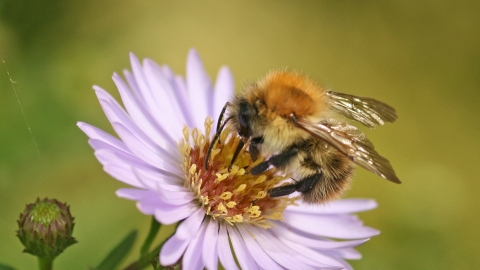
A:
(227, 191)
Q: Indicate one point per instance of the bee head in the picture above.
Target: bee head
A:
(246, 113)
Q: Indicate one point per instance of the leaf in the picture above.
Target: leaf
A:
(6, 267)
(115, 257)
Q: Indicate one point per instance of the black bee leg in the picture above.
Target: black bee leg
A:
(276, 161)
(253, 147)
(235, 154)
(307, 184)
(282, 191)
(303, 186)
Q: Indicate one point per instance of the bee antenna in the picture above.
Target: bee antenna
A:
(220, 127)
(210, 147)
(222, 113)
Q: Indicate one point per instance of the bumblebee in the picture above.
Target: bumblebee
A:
(302, 129)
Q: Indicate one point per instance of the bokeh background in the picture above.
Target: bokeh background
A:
(422, 57)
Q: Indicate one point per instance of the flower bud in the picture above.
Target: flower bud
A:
(45, 228)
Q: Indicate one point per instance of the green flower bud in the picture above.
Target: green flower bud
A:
(45, 228)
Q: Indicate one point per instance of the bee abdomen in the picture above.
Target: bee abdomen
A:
(337, 172)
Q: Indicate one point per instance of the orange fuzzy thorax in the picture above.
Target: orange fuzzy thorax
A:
(287, 93)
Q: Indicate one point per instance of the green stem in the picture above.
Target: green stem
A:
(45, 263)
(144, 260)
(154, 228)
(146, 256)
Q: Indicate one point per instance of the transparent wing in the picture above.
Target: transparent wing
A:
(368, 111)
(352, 142)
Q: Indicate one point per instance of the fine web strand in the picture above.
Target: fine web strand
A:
(21, 109)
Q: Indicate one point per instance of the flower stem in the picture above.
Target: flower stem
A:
(145, 255)
(154, 228)
(45, 263)
(144, 260)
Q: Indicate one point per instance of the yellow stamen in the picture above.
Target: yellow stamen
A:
(241, 188)
(241, 172)
(226, 195)
(186, 134)
(253, 209)
(193, 168)
(204, 200)
(234, 170)
(221, 177)
(238, 218)
(208, 125)
(260, 179)
(261, 194)
(222, 208)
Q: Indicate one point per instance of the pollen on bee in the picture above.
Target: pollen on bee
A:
(225, 190)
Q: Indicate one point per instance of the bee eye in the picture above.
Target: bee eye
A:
(244, 117)
(243, 121)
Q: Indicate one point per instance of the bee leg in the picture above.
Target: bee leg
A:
(253, 147)
(235, 154)
(282, 190)
(307, 184)
(253, 150)
(304, 186)
(276, 161)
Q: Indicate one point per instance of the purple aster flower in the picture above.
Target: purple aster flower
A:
(165, 131)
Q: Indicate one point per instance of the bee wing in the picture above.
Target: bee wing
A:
(352, 142)
(368, 111)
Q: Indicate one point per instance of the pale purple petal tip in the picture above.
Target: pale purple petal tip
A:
(169, 214)
(244, 257)
(224, 252)
(173, 250)
(200, 88)
(192, 258)
(340, 226)
(189, 227)
(224, 90)
(210, 255)
(344, 206)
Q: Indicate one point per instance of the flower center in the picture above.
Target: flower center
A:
(45, 212)
(227, 191)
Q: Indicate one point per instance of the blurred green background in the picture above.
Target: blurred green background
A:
(422, 57)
